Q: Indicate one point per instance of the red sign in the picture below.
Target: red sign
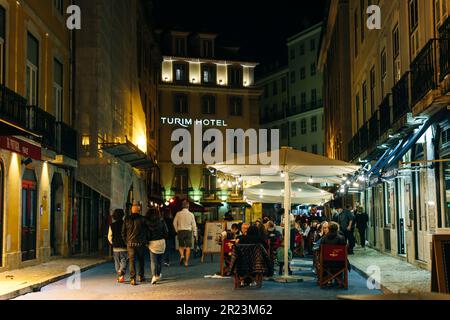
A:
(21, 147)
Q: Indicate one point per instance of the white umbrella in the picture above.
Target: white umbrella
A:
(291, 164)
(273, 192)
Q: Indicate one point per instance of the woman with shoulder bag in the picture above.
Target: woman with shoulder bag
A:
(158, 234)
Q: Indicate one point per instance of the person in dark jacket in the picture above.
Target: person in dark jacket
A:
(361, 219)
(135, 235)
(333, 236)
(119, 247)
(170, 241)
(158, 233)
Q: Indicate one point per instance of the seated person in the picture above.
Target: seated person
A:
(333, 237)
(244, 229)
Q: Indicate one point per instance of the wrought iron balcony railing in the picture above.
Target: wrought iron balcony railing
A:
(444, 46)
(44, 124)
(374, 128)
(13, 108)
(401, 97)
(424, 72)
(66, 140)
(385, 114)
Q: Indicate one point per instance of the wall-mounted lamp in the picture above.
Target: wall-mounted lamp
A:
(27, 161)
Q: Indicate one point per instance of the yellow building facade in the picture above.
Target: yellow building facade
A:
(38, 149)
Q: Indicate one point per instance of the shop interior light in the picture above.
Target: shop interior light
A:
(167, 203)
(299, 190)
(219, 180)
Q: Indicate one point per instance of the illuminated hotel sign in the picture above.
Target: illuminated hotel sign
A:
(187, 122)
(21, 147)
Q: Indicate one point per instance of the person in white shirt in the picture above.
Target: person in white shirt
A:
(185, 227)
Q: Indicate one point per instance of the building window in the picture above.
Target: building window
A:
(314, 124)
(364, 101)
(313, 98)
(235, 107)
(180, 70)
(313, 69)
(209, 105)
(2, 43)
(302, 73)
(357, 111)
(302, 49)
(363, 17)
(266, 90)
(356, 33)
(383, 71)
(293, 102)
(207, 48)
(208, 74)
(275, 88)
(58, 89)
(312, 44)
(303, 100)
(59, 6)
(303, 129)
(413, 15)
(293, 129)
(292, 76)
(292, 53)
(209, 182)
(180, 47)
(284, 131)
(314, 149)
(283, 84)
(235, 76)
(181, 180)
(32, 74)
(372, 89)
(396, 54)
(181, 104)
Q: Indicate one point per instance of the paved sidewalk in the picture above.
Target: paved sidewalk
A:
(396, 275)
(21, 281)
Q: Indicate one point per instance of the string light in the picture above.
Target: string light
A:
(310, 180)
(282, 174)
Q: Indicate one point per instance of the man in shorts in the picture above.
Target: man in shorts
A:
(185, 227)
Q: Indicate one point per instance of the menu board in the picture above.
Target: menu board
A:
(210, 240)
(440, 273)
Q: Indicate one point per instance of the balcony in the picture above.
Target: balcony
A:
(400, 97)
(374, 128)
(13, 108)
(363, 137)
(385, 114)
(44, 124)
(66, 140)
(444, 46)
(424, 72)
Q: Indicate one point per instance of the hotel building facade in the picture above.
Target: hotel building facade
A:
(202, 81)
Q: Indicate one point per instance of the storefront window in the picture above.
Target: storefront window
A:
(447, 193)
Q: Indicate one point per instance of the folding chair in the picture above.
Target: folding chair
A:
(333, 264)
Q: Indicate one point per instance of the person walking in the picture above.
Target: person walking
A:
(170, 241)
(158, 233)
(186, 228)
(118, 244)
(135, 235)
(361, 219)
(346, 225)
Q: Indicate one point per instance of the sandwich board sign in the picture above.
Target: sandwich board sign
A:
(210, 239)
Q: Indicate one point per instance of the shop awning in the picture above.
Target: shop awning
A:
(128, 153)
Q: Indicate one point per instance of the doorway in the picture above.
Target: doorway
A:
(400, 207)
(29, 215)
(1, 213)
(56, 215)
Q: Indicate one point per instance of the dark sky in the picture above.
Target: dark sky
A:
(260, 28)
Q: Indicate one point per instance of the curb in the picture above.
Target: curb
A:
(383, 288)
(38, 286)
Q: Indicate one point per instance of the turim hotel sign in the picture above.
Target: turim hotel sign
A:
(188, 122)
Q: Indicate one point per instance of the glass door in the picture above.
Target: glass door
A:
(29, 216)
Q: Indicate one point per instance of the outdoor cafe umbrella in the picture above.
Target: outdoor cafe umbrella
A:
(287, 164)
(273, 192)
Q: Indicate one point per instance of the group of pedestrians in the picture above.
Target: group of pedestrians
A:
(348, 220)
(131, 237)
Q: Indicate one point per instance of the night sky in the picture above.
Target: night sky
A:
(260, 28)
